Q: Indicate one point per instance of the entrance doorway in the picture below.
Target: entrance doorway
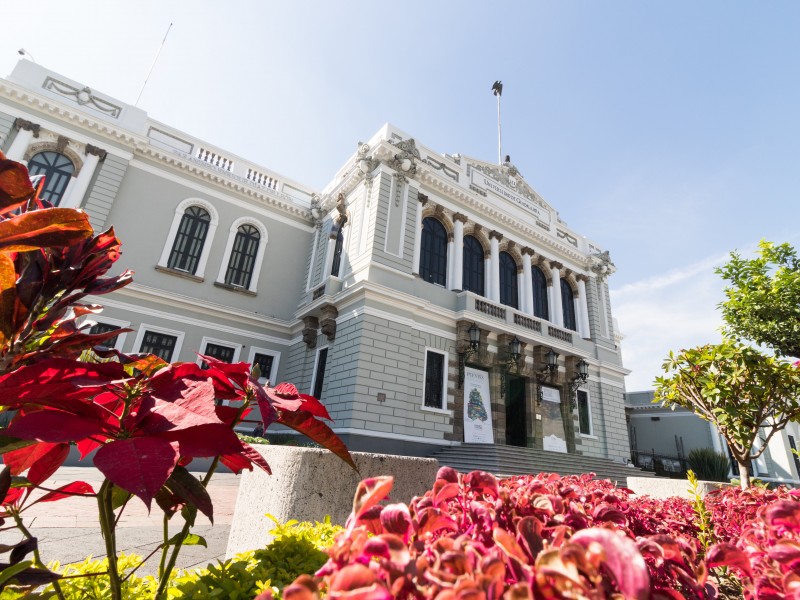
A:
(516, 417)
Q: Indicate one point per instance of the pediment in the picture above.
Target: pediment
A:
(511, 182)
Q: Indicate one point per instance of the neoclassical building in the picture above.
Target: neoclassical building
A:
(428, 299)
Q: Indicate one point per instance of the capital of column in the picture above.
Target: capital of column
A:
(554, 264)
(459, 217)
(28, 126)
(495, 234)
(94, 150)
(422, 199)
(529, 251)
(581, 277)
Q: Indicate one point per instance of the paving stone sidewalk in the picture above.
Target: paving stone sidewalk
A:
(67, 530)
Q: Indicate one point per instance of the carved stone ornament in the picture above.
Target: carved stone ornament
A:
(98, 152)
(509, 176)
(28, 126)
(310, 326)
(404, 161)
(327, 323)
(83, 96)
(366, 164)
(600, 264)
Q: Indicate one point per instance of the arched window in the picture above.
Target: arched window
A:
(337, 251)
(508, 281)
(243, 256)
(568, 305)
(433, 254)
(57, 170)
(473, 272)
(539, 294)
(189, 240)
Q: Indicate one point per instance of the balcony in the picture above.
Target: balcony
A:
(512, 318)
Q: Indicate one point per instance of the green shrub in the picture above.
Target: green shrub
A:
(251, 439)
(708, 464)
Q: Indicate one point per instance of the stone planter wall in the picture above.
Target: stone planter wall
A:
(659, 487)
(307, 484)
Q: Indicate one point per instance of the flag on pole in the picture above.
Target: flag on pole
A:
(497, 88)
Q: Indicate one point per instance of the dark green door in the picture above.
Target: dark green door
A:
(515, 412)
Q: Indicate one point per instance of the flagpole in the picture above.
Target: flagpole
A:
(499, 134)
(153, 65)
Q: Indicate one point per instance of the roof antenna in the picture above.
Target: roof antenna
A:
(153, 65)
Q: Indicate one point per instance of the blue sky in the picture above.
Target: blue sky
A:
(668, 132)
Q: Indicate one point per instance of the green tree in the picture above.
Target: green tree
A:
(763, 298)
(739, 389)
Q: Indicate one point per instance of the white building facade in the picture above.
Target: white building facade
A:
(427, 299)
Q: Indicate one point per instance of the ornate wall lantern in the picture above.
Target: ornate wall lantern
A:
(547, 372)
(512, 362)
(474, 344)
(580, 377)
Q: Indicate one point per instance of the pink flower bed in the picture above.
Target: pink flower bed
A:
(545, 536)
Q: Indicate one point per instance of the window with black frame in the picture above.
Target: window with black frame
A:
(473, 273)
(434, 380)
(218, 351)
(509, 293)
(243, 257)
(264, 363)
(189, 240)
(540, 308)
(57, 170)
(568, 305)
(105, 328)
(319, 377)
(584, 415)
(433, 252)
(160, 344)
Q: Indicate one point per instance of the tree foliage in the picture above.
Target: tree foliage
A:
(763, 298)
(739, 389)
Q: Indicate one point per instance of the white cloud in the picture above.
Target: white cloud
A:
(666, 312)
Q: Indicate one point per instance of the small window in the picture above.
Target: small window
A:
(434, 380)
(319, 373)
(264, 363)
(539, 294)
(189, 240)
(105, 328)
(568, 305)
(243, 257)
(473, 278)
(509, 293)
(220, 352)
(793, 446)
(160, 344)
(584, 412)
(433, 252)
(57, 170)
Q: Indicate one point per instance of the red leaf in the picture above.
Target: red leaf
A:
(369, 492)
(25, 458)
(189, 404)
(13, 495)
(80, 488)
(138, 465)
(15, 184)
(255, 457)
(396, 519)
(286, 397)
(482, 482)
(621, 557)
(236, 462)
(44, 228)
(48, 463)
(318, 431)
(86, 446)
(53, 426)
(357, 582)
(204, 440)
(727, 555)
(53, 382)
(432, 519)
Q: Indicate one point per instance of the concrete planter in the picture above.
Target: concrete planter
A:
(657, 487)
(307, 484)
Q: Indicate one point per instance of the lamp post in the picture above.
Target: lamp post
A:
(474, 333)
(578, 379)
(511, 361)
(546, 373)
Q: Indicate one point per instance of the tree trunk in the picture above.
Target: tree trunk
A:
(744, 473)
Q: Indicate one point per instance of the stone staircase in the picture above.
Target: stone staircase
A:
(504, 461)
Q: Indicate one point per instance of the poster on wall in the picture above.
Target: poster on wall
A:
(477, 407)
(554, 438)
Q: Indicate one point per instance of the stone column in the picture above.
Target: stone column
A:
(583, 307)
(75, 197)
(451, 259)
(494, 290)
(423, 200)
(526, 298)
(27, 131)
(458, 247)
(487, 274)
(556, 310)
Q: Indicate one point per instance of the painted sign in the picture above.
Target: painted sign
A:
(497, 188)
(552, 421)
(477, 407)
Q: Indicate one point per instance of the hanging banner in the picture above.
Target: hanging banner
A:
(477, 407)
(554, 438)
